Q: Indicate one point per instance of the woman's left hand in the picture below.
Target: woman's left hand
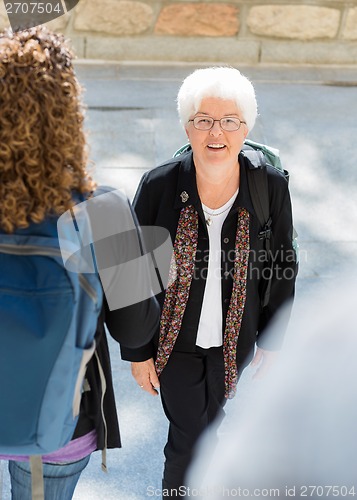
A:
(263, 361)
(145, 374)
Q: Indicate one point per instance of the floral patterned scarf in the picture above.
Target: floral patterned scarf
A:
(181, 273)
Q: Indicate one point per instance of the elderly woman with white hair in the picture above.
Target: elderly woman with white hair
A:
(212, 315)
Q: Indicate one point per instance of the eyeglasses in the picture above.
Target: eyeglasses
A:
(228, 123)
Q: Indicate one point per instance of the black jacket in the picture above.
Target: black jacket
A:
(158, 202)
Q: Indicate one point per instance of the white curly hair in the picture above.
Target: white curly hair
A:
(217, 81)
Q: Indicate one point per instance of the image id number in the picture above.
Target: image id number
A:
(33, 8)
(320, 491)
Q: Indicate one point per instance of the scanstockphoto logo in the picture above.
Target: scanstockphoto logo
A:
(100, 235)
(27, 14)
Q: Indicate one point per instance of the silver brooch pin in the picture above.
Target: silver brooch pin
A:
(184, 196)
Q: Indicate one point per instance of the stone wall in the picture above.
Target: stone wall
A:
(227, 31)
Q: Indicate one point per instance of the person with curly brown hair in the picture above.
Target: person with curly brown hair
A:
(43, 153)
(43, 160)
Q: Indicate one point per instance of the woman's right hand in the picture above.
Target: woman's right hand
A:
(145, 374)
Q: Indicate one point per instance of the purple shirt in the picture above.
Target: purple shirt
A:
(73, 451)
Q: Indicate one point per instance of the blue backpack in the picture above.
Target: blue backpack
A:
(48, 320)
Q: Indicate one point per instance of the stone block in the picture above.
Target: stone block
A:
(198, 19)
(300, 22)
(115, 17)
(164, 48)
(78, 44)
(59, 24)
(309, 53)
(350, 31)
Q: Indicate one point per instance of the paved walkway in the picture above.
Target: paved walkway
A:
(310, 115)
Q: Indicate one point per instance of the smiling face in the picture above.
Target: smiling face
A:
(216, 148)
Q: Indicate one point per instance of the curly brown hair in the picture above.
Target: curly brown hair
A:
(43, 150)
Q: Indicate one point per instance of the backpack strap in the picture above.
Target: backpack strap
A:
(259, 193)
(104, 389)
(38, 490)
(258, 185)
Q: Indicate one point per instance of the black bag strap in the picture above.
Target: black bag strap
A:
(258, 185)
(259, 193)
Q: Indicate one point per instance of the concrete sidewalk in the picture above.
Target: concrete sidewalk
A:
(310, 115)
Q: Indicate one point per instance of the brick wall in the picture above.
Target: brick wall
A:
(235, 31)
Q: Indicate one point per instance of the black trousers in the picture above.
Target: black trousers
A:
(192, 394)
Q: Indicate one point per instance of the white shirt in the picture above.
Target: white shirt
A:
(209, 332)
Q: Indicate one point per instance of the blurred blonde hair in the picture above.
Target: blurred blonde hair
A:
(43, 152)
